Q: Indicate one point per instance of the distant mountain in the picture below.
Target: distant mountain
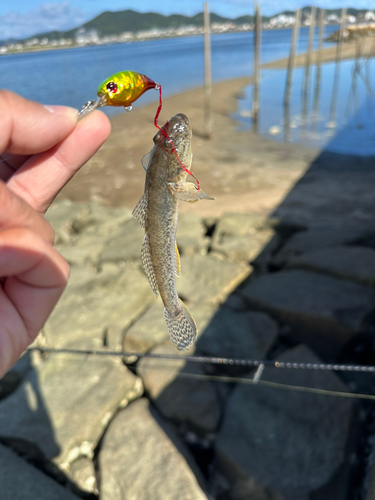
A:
(115, 23)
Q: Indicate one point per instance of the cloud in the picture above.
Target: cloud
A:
(47, 17)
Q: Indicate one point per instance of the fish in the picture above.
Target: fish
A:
(157, 213)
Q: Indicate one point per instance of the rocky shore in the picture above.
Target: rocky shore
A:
(281, 267)
(259, 288)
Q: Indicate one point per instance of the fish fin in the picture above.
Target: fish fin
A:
(188, 192)
(140, 211)
(146, 160)
(182, 328)
(148, 266)
(177, 262)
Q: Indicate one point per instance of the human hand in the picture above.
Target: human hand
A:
(45, 147)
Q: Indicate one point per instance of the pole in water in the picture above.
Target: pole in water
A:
(207, 73)
(332, 114)
(306, 79)
(257, 42)
(289, 78)
(318, 73)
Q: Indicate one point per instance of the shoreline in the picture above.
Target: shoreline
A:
(245, 171)
(348, 51)
(136, 40)
(229, 166)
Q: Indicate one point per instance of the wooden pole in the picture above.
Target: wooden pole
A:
(318, 73)
(207, 73)
(354, 82)
(336, 78)
(306, 78)
(257, 42)
(368, 76)
(289, 78)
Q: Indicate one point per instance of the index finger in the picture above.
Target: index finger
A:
(28, 127)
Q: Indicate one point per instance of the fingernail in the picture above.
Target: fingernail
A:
(62, 111)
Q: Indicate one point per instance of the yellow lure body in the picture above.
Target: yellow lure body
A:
(125, 87)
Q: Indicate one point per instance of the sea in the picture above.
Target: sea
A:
(71, 76)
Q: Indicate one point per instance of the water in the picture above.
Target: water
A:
(355, 131)
(71, 76)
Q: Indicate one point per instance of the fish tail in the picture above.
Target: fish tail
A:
(182, 328)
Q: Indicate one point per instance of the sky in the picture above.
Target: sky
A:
(26, 17)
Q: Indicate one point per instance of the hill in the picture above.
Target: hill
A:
(114, 23)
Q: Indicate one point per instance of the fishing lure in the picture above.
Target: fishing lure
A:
(123, 89)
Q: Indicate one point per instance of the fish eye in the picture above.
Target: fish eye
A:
(111, 87)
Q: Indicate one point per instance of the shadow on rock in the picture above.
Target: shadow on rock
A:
(308, 298)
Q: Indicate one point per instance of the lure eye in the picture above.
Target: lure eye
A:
(111, 87)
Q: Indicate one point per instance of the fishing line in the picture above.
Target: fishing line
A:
(336, 367)
(267, 383)
(158, 87)
(256, 380)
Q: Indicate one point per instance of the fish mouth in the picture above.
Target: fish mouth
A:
(178, 127)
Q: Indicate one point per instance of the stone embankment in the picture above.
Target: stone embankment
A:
(101, 427)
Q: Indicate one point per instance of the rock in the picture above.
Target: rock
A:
(238, 334)
(332, 193)
(141, 458)
(82, 275)
(206, 279)
(291, 442)
(370, 473)
(190, 236)
(323, 311)
(87, 252)
(274, 130)
(182, 400)
(236, 302)
(238, 224)
(82, 472)
(315, 239)
(61, 215)
(246, 248)
(113, 338)
(242, 237)
(244, 488)
(110, 299)
(14, 376)
(20, 481)
(125, 244)
(65, 404)
(354, 263)
(100, 221)
(151, 330)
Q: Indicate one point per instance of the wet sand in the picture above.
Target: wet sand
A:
(329, 54)
(243, 171)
